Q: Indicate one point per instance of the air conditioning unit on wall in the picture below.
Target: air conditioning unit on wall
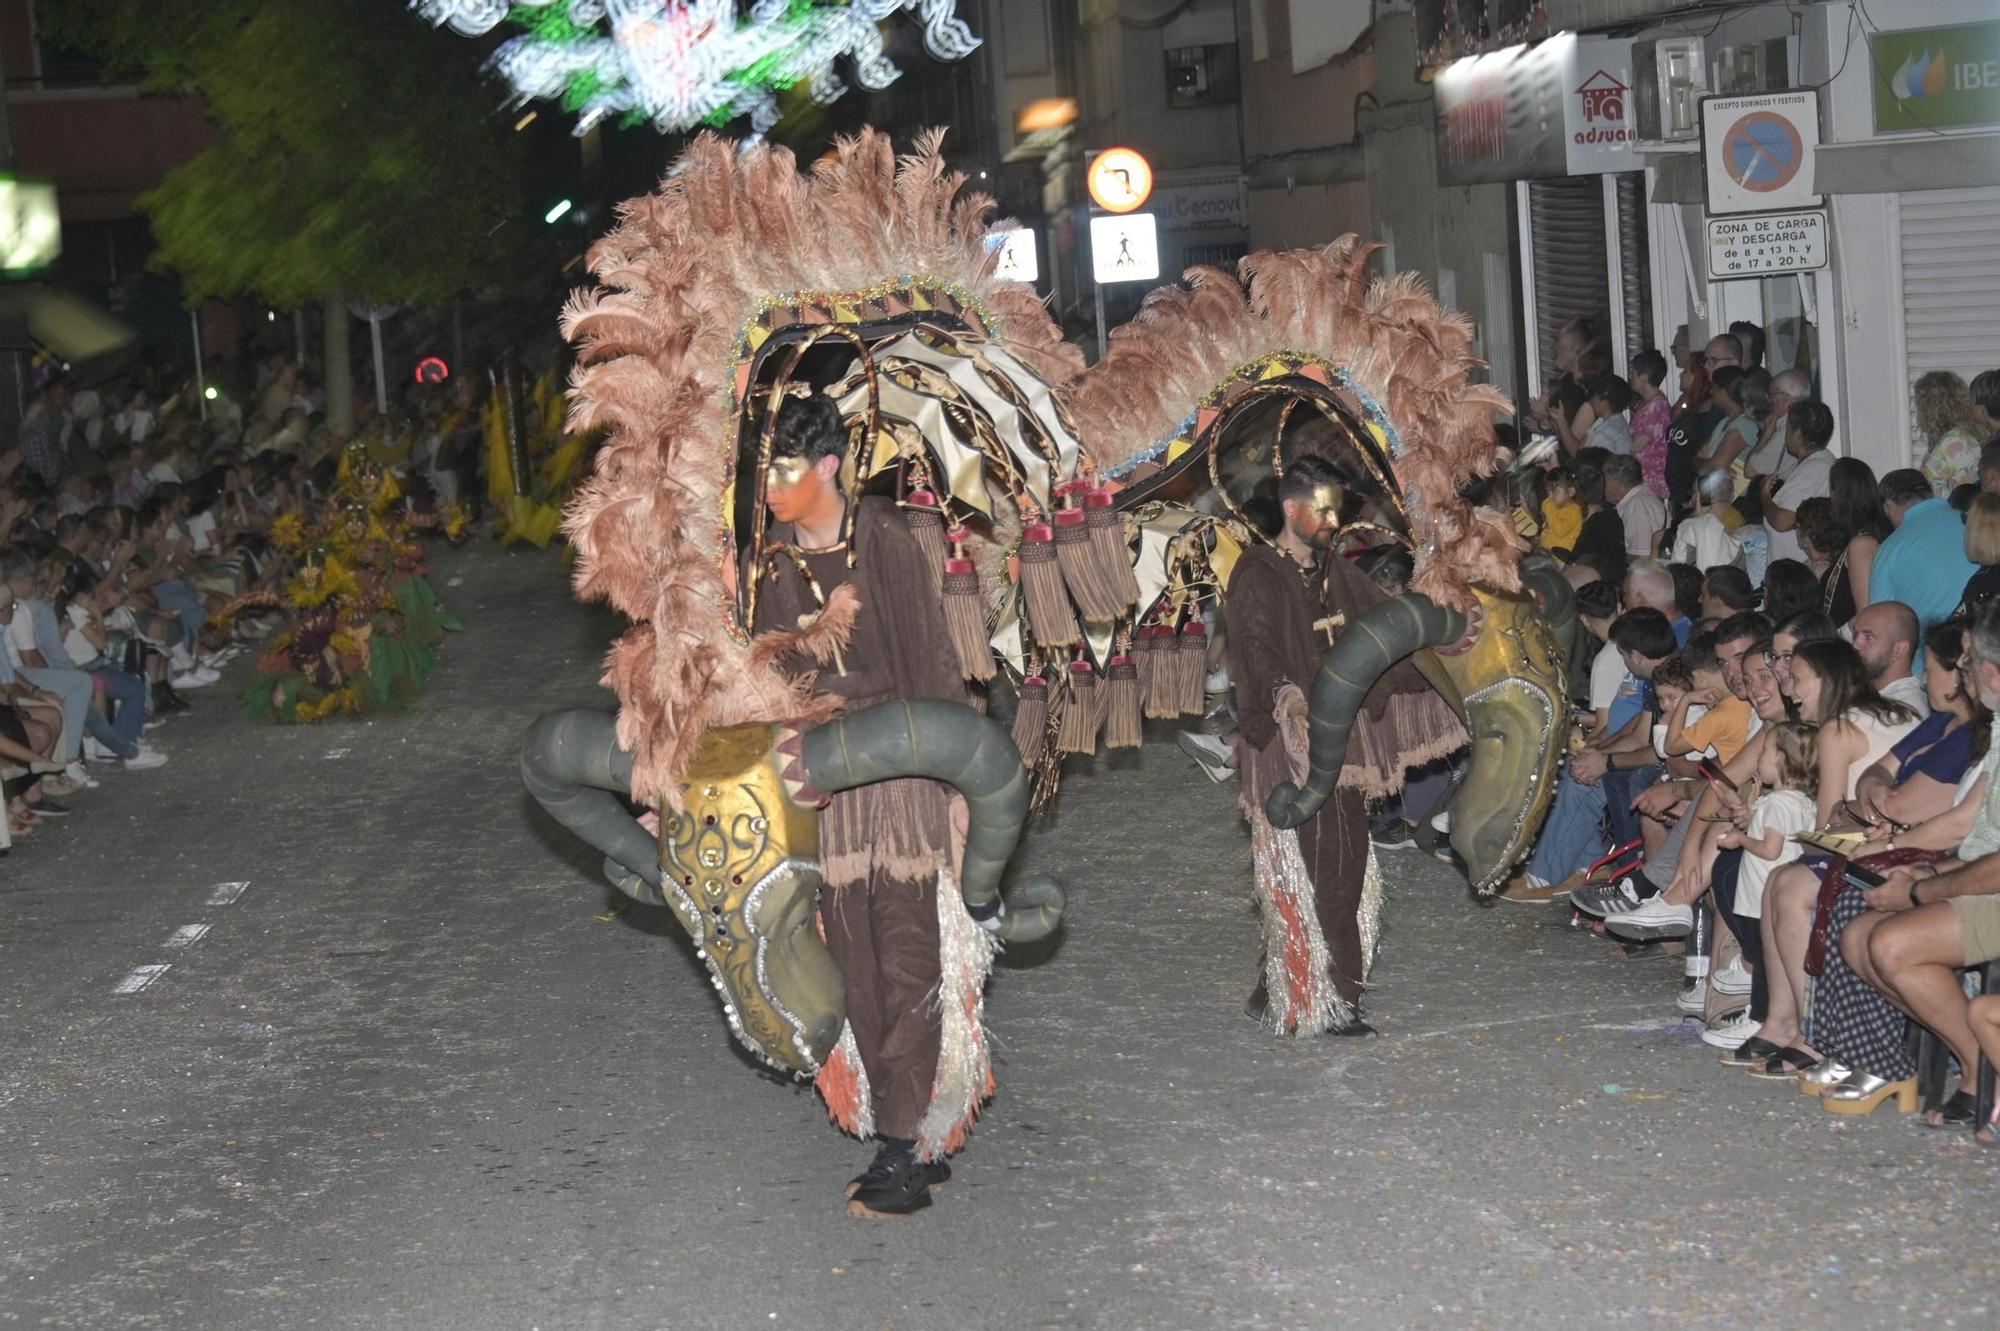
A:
(1753, 67)
(1669, 79)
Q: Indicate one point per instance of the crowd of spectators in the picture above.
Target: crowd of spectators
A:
(134, 559)
(1783, 765)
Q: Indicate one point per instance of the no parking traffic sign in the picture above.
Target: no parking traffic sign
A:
(1758, 151)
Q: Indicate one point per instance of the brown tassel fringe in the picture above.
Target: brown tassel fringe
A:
(1092, 581)
(926, 523)
(1123, 726)
(1107, 538)
(966, 620)
(1160, 671)
(1191, 667)
(1080, 717)
(1031, 720)
(1042, 587)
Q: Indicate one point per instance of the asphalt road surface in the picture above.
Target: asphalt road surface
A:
(411, 1065)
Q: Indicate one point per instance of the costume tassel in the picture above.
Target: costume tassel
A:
(1123, 726)
(926, 523)
(1031, 720)
(1191, 667)
(965, 620)
(1090, 580)
(1107, 539)
(1042, 587)
(1156, 658)
(1080, 717)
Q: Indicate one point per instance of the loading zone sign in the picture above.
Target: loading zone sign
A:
(1766, 244)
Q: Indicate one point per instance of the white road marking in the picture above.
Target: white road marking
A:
(336, 753)
(142, 978)
(225, 894)
(454, 582)
(187, 935)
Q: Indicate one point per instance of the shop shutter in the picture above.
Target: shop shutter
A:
(1951, 281)
(1635, 262)
(1566, 218)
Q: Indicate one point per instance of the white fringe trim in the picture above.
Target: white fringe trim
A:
(1284, 888)
(965, 1065)
(864, 1119)
(1369, 916)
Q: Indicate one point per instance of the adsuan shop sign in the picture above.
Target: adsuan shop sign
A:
(1562, 107)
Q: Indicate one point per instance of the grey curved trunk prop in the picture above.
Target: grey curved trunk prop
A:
(571, 764)
(1552, 591)
(1347, 670)
(948, 742)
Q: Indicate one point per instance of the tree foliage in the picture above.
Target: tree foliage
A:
(357, 148)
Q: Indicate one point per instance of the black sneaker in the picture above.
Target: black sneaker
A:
(896, 1186)
(48, 808)
(1392, 834)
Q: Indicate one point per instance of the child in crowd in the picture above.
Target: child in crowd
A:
(1788, 773)
(1710, 720)
(1609, 397)
(1707, 539)
(1562, 515)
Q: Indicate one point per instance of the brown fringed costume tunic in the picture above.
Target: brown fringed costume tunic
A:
(881, 846)
(1270, 609)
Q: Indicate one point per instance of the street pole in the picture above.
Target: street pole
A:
(200, 374)
(1098, 288)
(381, 384)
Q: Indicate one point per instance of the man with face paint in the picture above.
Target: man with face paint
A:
(881, 846)
(1284, 605)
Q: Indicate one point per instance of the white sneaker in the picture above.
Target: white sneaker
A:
(1651, 919)
(1210, 754)
(1734, 978)
(1693, 1000)
(1442, 822)
(1732, 1033)
(76, 776)
(145, 759)
(93, 752)
(1536, 883)
(198, 678)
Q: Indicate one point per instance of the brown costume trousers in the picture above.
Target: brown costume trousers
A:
(883, 932)
(1334, 845)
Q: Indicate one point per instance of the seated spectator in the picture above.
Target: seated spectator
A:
(1885, 637)
(1641, 513)
(1726, 591)
(1596, 608)
(1803, 627)
(1687, 592)
(1807, 431)
(1650, 586)
(1985, 394)
(1982, 547)
(1857, 509)
(1670, 876)
(1945, 914)
(1922, 563)
(1572, 836)
(1945, 419)
(1609, 397)
(1651, 417)
(1789, 588)
(1707, 539)
(1770, 457)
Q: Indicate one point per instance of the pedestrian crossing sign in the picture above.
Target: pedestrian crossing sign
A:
(1125, 248)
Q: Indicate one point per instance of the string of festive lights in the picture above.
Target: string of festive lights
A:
(682, 63)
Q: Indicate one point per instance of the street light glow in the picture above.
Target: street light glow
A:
(562, 206)
(210, 393)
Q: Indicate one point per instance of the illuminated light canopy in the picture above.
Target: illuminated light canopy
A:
(682, 63)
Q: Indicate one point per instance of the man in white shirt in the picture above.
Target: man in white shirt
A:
(1770, 457)
(1808, 429)
(1643, 512)
(1885, 638)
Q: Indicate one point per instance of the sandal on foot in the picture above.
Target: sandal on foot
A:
(1785, 1065)
(1750, 1053)
(1958, 1110)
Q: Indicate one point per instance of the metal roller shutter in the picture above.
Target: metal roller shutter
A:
(1636, 276)
(1566, 217)
(1951, 281)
